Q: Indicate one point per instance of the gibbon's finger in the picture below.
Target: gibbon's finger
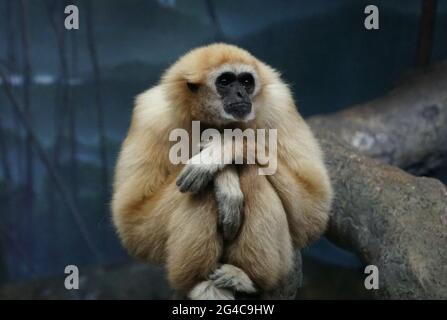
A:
(200, 180)
(181, 176)
(185, 178)
(194, 178)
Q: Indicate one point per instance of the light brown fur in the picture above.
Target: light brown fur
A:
(159, 224)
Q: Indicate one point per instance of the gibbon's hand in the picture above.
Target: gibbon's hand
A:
(201, 168)
(195, 177)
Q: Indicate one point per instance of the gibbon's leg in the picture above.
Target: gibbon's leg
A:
(305, 195)
(176, 229)
(227, 278)
(263, 248)
(194, 245)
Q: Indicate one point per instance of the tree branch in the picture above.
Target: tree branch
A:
(391, 219)
(407, 127)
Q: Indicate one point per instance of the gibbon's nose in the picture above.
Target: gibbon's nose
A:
(237, 94)
(237, 102)
(239, 110)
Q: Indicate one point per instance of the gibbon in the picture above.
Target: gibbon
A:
(219, 229)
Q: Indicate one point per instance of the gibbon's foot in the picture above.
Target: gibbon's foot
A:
(194, 177)
(207, 290)
(230, 201)
(229, 276)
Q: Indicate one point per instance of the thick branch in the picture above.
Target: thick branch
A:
(406, 128)
(391, 219)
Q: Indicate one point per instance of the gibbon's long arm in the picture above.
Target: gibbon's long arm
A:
(143, 174)
(301, 179)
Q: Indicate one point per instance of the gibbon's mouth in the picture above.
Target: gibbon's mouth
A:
(238, 110)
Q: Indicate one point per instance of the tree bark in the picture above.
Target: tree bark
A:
(391, 219)
(388, 217)
(406, 128)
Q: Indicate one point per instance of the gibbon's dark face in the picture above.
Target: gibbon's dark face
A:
(227, 95)
(235, 91)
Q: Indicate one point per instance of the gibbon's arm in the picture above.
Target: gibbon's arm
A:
(301, 179)
(209, 165)
(143, 163)
(215, 156)
(143, 168)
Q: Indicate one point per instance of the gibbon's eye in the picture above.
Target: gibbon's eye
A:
(225, 79)
(192, 87)
(247, 80)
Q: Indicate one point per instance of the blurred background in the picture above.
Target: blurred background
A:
(66, 99)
